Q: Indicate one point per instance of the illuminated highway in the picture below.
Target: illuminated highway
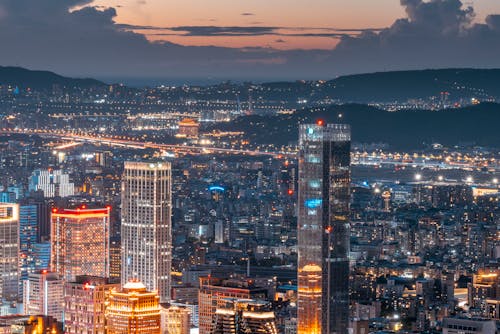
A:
(378, 159)
(129, 142)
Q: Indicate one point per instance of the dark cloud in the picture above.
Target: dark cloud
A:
(56, 35)
(247, 14)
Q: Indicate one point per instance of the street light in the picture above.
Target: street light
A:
(469, 179)
(418, 177)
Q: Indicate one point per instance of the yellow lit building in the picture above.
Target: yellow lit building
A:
(80, 242)
(133, 310)
(188, 128)
(309, 292)
(175, 320)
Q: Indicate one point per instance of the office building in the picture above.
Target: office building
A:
(175, 320)
(468, 326)
(43, 294)
(9, 251)
(85, 301)
(214, 292)
(146, 237)
(80, 242)
(323, 228)
(133, 310)
(53, 183)
(28, 236)
(244, 316)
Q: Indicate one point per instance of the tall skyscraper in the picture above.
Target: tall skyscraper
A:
(80, 242)
(146, 225)
(323, 228)
(28, 236)
(9, 251)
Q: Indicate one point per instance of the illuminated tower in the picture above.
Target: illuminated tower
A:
(146, 225)
(323, 228)
(9, 251)
(80, 242)
(133, 310)
(386, 195)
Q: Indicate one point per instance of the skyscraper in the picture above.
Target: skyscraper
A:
(323, 228)
(28, 236)
(80, 242)
(9, 251)
(146, 225)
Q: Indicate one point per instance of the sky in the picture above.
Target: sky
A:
(260, 40)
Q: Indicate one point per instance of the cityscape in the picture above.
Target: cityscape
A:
(232, 174)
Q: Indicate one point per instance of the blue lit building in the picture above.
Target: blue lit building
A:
(28, 234)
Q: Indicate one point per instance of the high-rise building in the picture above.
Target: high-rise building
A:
(214, 292)
(115, 257)
(146, 235)
(85, 301)
(28, 236)
(43, 294)
(53, 183)
(484, 293)
(323, 228)
(80, 242)
(175, 320)
(244, 316)
(133, 310)
(9, 251)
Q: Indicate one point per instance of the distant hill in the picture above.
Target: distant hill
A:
(394, 86)
(42, 80)
(389, 86)
(401, 130)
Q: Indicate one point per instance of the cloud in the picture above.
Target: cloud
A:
(247, 14)
(62, 36)
(435, 33)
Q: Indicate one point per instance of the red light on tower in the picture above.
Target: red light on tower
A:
(320, 122)
(290, 192)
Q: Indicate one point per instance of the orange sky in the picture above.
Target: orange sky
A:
(283, 13)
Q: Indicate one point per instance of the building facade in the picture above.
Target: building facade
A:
(53, 183)
(323, 228)
(146, 235)
(9, 251)
(80, 242)
(133, 310)
(214, 292)
(85, 301)
(43, 294)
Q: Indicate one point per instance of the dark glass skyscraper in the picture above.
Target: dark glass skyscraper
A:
(323, 228)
